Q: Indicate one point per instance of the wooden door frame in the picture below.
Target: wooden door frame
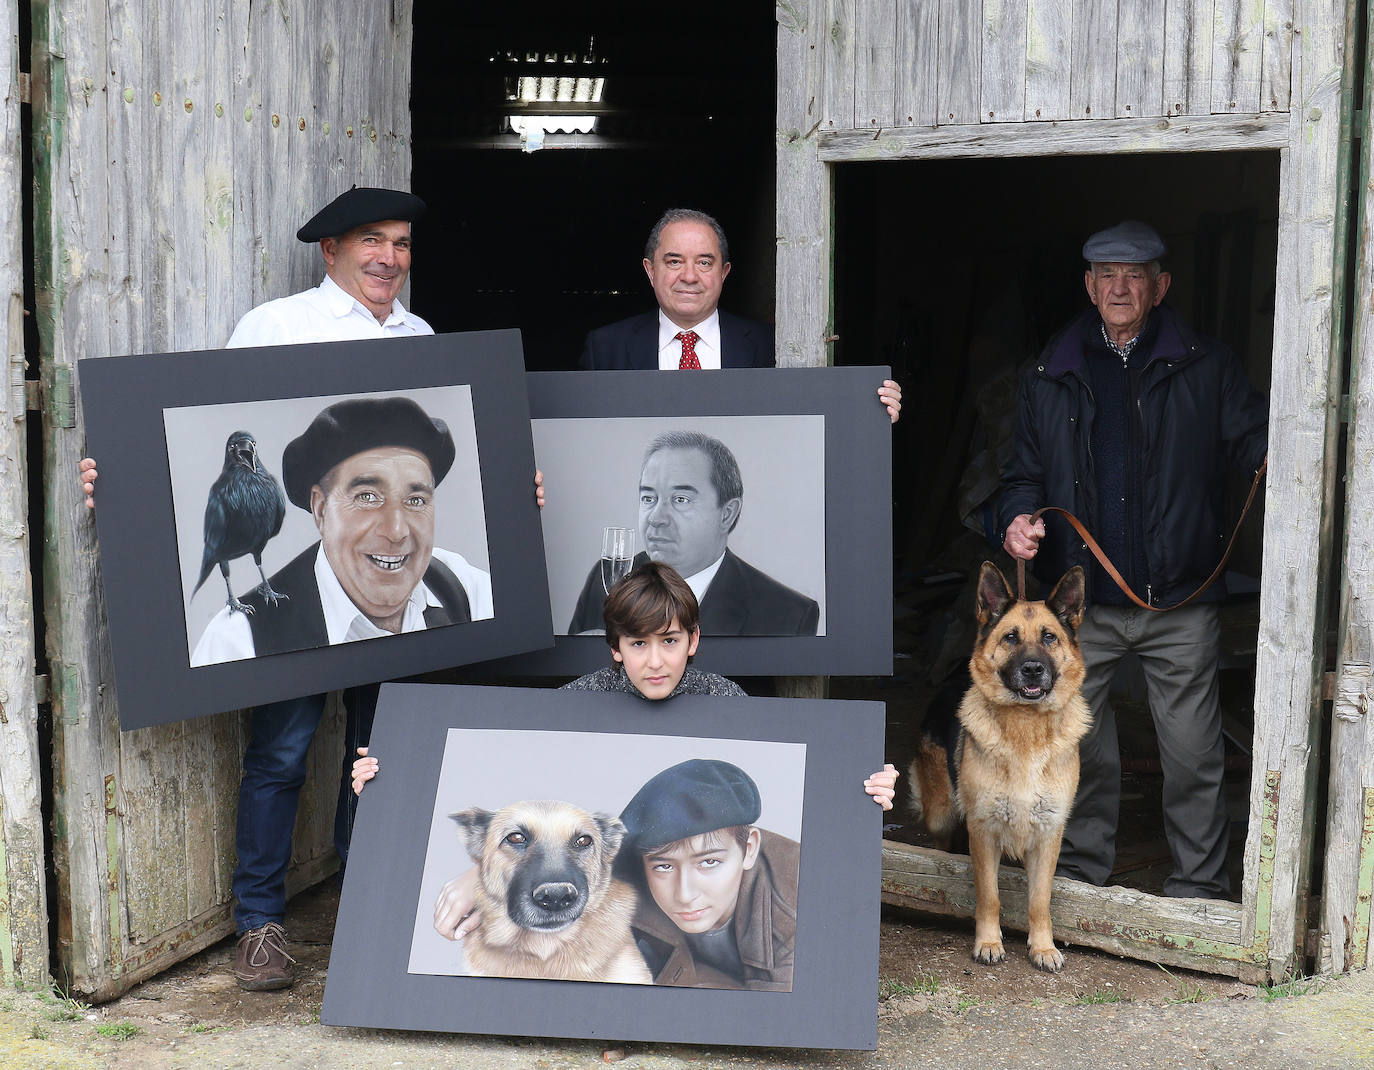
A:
(23, 895)
(1265, 934)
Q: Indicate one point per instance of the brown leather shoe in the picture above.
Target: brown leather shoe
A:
(262, 963)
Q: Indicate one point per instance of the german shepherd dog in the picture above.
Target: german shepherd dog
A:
(550, 907)
(1012, 770)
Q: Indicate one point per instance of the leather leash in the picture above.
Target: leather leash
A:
(1091, 543)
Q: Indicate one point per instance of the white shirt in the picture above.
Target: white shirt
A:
(325, 314)
(229, 636)
(708, 342)
(701, 580)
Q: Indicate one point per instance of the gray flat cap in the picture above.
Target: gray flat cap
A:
(1130, 242)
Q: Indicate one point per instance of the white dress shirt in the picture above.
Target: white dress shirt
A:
(229, 636)
(325, 314)
(708, 343)
(701, 580)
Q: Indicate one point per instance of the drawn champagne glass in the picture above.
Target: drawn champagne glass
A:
(617, 554)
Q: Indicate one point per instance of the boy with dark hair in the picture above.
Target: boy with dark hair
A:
(651, 619)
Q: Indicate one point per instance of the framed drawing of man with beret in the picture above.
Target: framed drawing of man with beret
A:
(370, 484)
(361, 512)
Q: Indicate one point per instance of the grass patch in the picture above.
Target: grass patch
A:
(1294, 986)
(60, 1006)
(1099, 995)
(118, 1030)
(1185, 991)
(37, 1032)
(964, 1003)
(895, 988)
(206, 1027)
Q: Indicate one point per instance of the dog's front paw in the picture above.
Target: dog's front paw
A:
(988, 951)
(1050, 959)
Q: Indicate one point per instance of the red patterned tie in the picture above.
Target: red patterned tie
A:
(689, 360)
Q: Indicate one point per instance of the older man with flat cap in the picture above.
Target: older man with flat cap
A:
(366, 470)
(364, 236)
(1130, 419)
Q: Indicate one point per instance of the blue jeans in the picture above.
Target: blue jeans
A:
(273, 771)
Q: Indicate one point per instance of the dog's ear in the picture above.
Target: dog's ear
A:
(994, 596)
(612, 835)
(1066, 600)
(472, 826)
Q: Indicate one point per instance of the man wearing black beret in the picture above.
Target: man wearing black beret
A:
(366, 470)
(365, 243)
(1129, 419)
(364, 238)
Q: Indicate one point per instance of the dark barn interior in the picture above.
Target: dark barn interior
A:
(951, 271)
(551, 241)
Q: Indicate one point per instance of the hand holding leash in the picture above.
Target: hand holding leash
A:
(1023, 536)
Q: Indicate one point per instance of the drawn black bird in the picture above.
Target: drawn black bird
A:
(245, 509)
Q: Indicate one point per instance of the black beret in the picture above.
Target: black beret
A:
(693, 797)
(1130, 242)
(361, 204)
(359, 424)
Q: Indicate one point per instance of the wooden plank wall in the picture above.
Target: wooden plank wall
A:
(923, 63)
(1348, 870)
(23, 907)
(178, 147)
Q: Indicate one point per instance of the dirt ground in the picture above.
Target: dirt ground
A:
(923, 963)
(937, 1008)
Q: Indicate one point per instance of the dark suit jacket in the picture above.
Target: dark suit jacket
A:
(741, 600)
(632, 344)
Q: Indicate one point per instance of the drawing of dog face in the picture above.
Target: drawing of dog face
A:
(546, 861)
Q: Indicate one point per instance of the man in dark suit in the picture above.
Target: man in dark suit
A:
(691, 495)
(687, 259)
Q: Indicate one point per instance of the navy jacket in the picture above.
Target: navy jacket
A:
(632, 344)
(1198, 415)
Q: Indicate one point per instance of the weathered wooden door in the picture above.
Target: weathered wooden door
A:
(23, 910)
(864, 81)
(177, 149)
(1348, 869)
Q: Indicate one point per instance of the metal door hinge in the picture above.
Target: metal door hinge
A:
(25, 95)
(33, 395)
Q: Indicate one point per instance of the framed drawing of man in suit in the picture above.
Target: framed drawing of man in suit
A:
(768, 490)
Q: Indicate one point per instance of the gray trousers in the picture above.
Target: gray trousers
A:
(1178, 652)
